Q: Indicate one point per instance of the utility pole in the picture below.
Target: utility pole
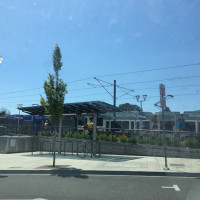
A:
(126, 91)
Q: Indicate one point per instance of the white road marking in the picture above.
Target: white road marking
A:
(25, 199)
(25, 175)
(174, 187)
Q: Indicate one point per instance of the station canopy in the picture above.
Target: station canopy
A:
(74, 108)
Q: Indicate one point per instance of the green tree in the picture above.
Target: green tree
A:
(129, 107)
(167, 109)
(4, 111)
(55, 90)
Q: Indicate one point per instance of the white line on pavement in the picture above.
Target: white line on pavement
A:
(25, 199)
(174, 187)
(26, 175)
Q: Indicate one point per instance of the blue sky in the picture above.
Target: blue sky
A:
(99, 38)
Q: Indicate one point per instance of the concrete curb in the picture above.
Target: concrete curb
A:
(76, 172)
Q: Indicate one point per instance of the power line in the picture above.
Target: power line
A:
(20, 96)
(168, 79)
(117, 74)
(101, 93)
(156, 96)
(150, 70)
(21, 91)
(140, 71)
(180, 86)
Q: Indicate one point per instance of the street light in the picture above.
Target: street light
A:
(138, 99)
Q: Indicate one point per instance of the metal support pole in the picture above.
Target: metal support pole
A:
(18, 120)
(94, 126)
(165, 145)
(114, 103)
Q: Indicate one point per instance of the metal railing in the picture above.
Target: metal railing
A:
(72, 150)
(174, 138)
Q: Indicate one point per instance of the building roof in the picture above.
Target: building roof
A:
(74, 108)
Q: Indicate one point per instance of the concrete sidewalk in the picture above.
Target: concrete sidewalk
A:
(27, 161)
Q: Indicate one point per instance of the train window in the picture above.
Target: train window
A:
(27, 123)
(116, 124)
(68, 122)
(125, 124)
(107, 124)
(169, 125)
(138, 125)
(199, 127)
(99, 121)
(81, 122)
(132, 125)
(190, 126)
(146, 125)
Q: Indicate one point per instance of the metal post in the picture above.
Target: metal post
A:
(18, 120)
(94, 126)
(163, 106)
(114, 103)
(165, 145)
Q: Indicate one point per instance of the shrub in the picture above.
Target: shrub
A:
(104, 137)
(192, 143)
(140, 140)
(68, 134)
(86, 135)
(116, 139)
(78, 135)
(175, 142)
(123, 138)
(159, 140)
(132, 140)
(151, 141)
(110, 137)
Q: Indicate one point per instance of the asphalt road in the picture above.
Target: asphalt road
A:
(98, 187)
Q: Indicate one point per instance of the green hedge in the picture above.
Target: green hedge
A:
(123, 138)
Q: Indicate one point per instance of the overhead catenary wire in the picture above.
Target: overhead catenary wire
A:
(149, 97)
(117, 74)
(191, 85)
(140, 71)
(168, 79)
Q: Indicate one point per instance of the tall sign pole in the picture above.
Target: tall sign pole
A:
(114, 103)
(163, 106)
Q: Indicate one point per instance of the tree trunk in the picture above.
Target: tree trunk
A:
(60, 135)
(54, 148)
